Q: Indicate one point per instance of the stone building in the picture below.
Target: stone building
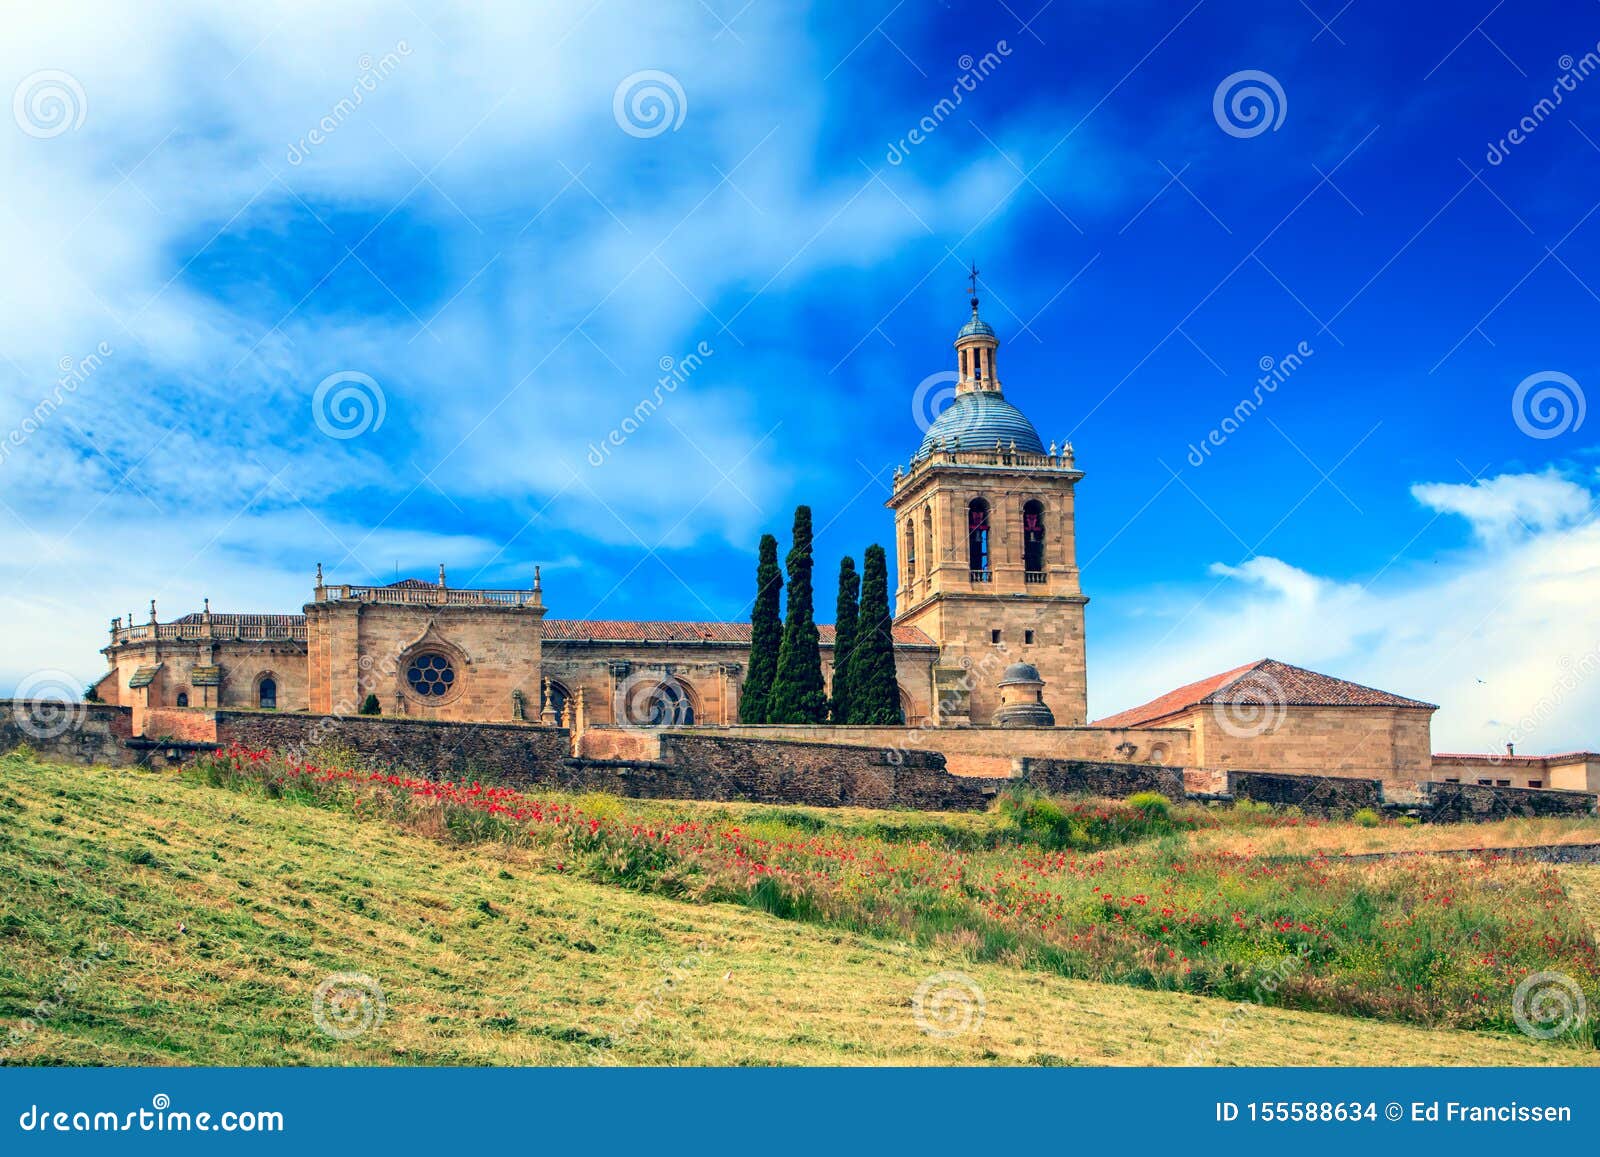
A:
(989, 590)
(988, 641)
(987, 547)
(1272, 716)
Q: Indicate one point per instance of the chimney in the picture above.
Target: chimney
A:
(1511, 749)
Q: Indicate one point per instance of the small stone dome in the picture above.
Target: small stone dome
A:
(1022, 698)
(1020, 673)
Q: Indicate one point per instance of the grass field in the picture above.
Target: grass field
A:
(152, 919)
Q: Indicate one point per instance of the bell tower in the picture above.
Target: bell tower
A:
(986, 547)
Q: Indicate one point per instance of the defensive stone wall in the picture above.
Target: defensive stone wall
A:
(509, 751)
(1455, 803)
(1323, 795)
(70, 732)
(975, 750)
(1113, 780)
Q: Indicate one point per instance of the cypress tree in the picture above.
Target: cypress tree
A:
(797, 694)
(874, 695)
(844, 637)
(766, 632)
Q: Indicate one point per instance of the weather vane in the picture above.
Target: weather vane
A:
(972, 281)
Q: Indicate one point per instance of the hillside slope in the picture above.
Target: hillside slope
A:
(162, 922)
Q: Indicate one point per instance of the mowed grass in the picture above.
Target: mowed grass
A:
(165, 922)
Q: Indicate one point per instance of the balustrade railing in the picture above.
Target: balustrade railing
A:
(429, 596)
(199, 632)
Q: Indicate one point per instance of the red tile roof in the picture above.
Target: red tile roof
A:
(1264, 680)
(597, 630)
(1521, 760)
(662, 631)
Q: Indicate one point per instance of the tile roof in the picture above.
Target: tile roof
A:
(1264, 680)
(144, 676)
(245, 620)
(664, 631)
(1517, 760)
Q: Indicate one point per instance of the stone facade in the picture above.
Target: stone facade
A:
(206, 660)
(1388, 743)
(484, 645)
(986, 536)
(1571, 771)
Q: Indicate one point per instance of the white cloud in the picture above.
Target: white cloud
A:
(1510, 505)
(1504, 636)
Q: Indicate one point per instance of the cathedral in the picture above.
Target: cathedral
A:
(988, 644)
(988, 620)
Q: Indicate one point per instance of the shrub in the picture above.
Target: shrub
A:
(369, 705)
(1366, 818)
(1152, 804)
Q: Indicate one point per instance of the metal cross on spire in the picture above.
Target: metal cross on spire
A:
(972, 282)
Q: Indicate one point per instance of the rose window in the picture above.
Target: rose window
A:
(431, 676)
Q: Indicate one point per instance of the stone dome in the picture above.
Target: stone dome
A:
(976, 421)
(1020, 673)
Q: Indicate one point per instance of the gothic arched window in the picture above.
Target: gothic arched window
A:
(267, 693)
(558, 695)
(1033, 537)
(183, 699)
(911, 551)
(978, 539)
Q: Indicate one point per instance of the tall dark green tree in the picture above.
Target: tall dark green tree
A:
(797, 694)
(844, 637)
(766, 635)
(874, 695)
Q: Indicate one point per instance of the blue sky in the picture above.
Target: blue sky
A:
(484, 239)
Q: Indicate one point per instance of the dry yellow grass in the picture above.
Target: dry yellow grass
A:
(1342, 837)
(222, 912)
